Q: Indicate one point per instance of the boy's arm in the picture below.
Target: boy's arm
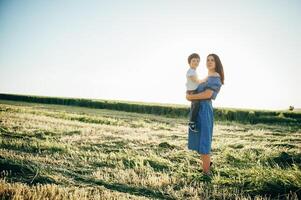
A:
(207, 94)
(195, 79)
(202, 80)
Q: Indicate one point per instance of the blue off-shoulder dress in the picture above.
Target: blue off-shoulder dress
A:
(201, 141)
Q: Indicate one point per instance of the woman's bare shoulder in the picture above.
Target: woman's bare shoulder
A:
(215, 75)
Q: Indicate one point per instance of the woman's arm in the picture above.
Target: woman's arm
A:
(202, 95)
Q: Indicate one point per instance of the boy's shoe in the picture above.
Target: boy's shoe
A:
(192, 127)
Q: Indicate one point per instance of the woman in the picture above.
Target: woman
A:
(201, 141)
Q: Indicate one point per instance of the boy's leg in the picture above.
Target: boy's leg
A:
(195, 104)
(194, 110)
(191, 105)
(193, 113)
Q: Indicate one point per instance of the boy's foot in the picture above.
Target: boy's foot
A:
(192, 127)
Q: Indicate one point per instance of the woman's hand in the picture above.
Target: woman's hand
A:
(207, 94)
(188, 97)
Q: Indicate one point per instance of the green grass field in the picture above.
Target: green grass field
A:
(68, 152)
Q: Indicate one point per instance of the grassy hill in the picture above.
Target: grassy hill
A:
(70, 152)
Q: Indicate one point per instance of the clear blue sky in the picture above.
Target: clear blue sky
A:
(137, 50)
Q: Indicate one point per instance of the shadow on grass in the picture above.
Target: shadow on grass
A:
(157, 166)
(25, 172)
(33, 146)
(103, 164)
(120, 187)
(289, 146)
(285, 160)
(29, 143)
(274, 189)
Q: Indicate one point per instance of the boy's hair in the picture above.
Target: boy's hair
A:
(194, 55)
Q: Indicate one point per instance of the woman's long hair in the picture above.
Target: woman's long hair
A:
(218, 66)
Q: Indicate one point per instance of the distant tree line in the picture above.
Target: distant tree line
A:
(221, 114)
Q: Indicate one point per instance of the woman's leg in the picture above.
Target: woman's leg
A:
(206, 162)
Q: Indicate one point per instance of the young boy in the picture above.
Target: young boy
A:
(191, 85)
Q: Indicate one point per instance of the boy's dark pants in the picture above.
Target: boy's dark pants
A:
(194, 109)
